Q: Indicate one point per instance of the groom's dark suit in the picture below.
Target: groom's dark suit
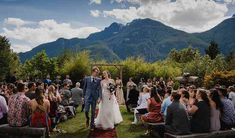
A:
(92, 91)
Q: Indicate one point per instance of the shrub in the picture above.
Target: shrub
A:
(226, 78)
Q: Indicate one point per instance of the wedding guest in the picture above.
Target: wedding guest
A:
(177, 121)
(54, 100)
(192, 95)
(65, 94)
(3, 110)
(149, 83)
(228, 114)
(58, 81)
(216, 109)
(133, 98)
(170, 82)
(9, 90)
(129, 84)
(119, 91)
(154, 108)
(184, 99)
(31, 90)
(154, 81)
(231, 94)
(48, 80)
(18, 107)
(200, 112)
(166, 102)
(162, 83)
(77, 94)
(40, 107)
(140, 84)
(142, 103)
(68, 80)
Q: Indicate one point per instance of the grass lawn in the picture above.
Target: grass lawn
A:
(75, 127)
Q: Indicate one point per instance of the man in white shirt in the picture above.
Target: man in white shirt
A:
(231, 95)
(3, 110)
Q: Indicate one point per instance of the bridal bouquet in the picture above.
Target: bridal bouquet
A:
(111, 88)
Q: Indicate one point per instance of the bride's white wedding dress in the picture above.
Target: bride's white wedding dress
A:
(109, 113)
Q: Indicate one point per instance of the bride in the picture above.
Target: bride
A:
(109, 114)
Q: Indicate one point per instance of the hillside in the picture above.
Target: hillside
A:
(146, 38)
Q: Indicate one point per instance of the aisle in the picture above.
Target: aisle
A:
(75, 128)
(98, 133)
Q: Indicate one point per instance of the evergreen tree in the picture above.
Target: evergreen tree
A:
(212, 50)
(9, 60)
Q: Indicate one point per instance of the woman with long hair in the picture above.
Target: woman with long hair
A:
(154, 108)
(216, 110)
(192, 95)
(200, 112)
(40, 107)
(54, 100)
(142, 103)
(119, 91)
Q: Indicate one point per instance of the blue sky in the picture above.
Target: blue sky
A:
(28, 23)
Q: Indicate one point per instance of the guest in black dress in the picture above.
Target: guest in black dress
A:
(132, 98)
(200, 112)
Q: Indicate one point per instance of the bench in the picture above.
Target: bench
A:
(216, 134)
(155, 129)
(26, 132)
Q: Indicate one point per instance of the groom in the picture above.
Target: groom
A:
(92, 95)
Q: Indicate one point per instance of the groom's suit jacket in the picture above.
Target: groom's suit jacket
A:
(92, 89)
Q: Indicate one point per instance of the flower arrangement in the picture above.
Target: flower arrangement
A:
(111, 88)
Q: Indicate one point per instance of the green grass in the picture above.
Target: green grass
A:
(75, 127)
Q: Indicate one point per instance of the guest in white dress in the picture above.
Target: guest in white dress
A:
(142, 103)
(109, 113)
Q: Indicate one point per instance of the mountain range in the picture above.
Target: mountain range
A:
(146, 38)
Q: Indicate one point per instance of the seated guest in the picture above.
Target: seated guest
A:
(200, 112)
(216, 109)
(132, 98)
(142, 103)
(48, 80)
(166, 102)
(40, 107)
(65, 94)
(177, 121)
(154, 108)
(54, 99)
(231, 94)
(228, 114)
(3, 110)
(10, 90)
(184, 99)
(31, 91)
(18, 104)
(192, 95)
(77, 94)
(68, 81)
(58, 81)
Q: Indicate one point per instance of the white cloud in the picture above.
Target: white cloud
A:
(125, 15)
(16, 22)
(21, 48)
(189, 15)
(95, 13)
(44, 31)
(95, 1)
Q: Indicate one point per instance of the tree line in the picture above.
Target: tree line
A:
(78, 64)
